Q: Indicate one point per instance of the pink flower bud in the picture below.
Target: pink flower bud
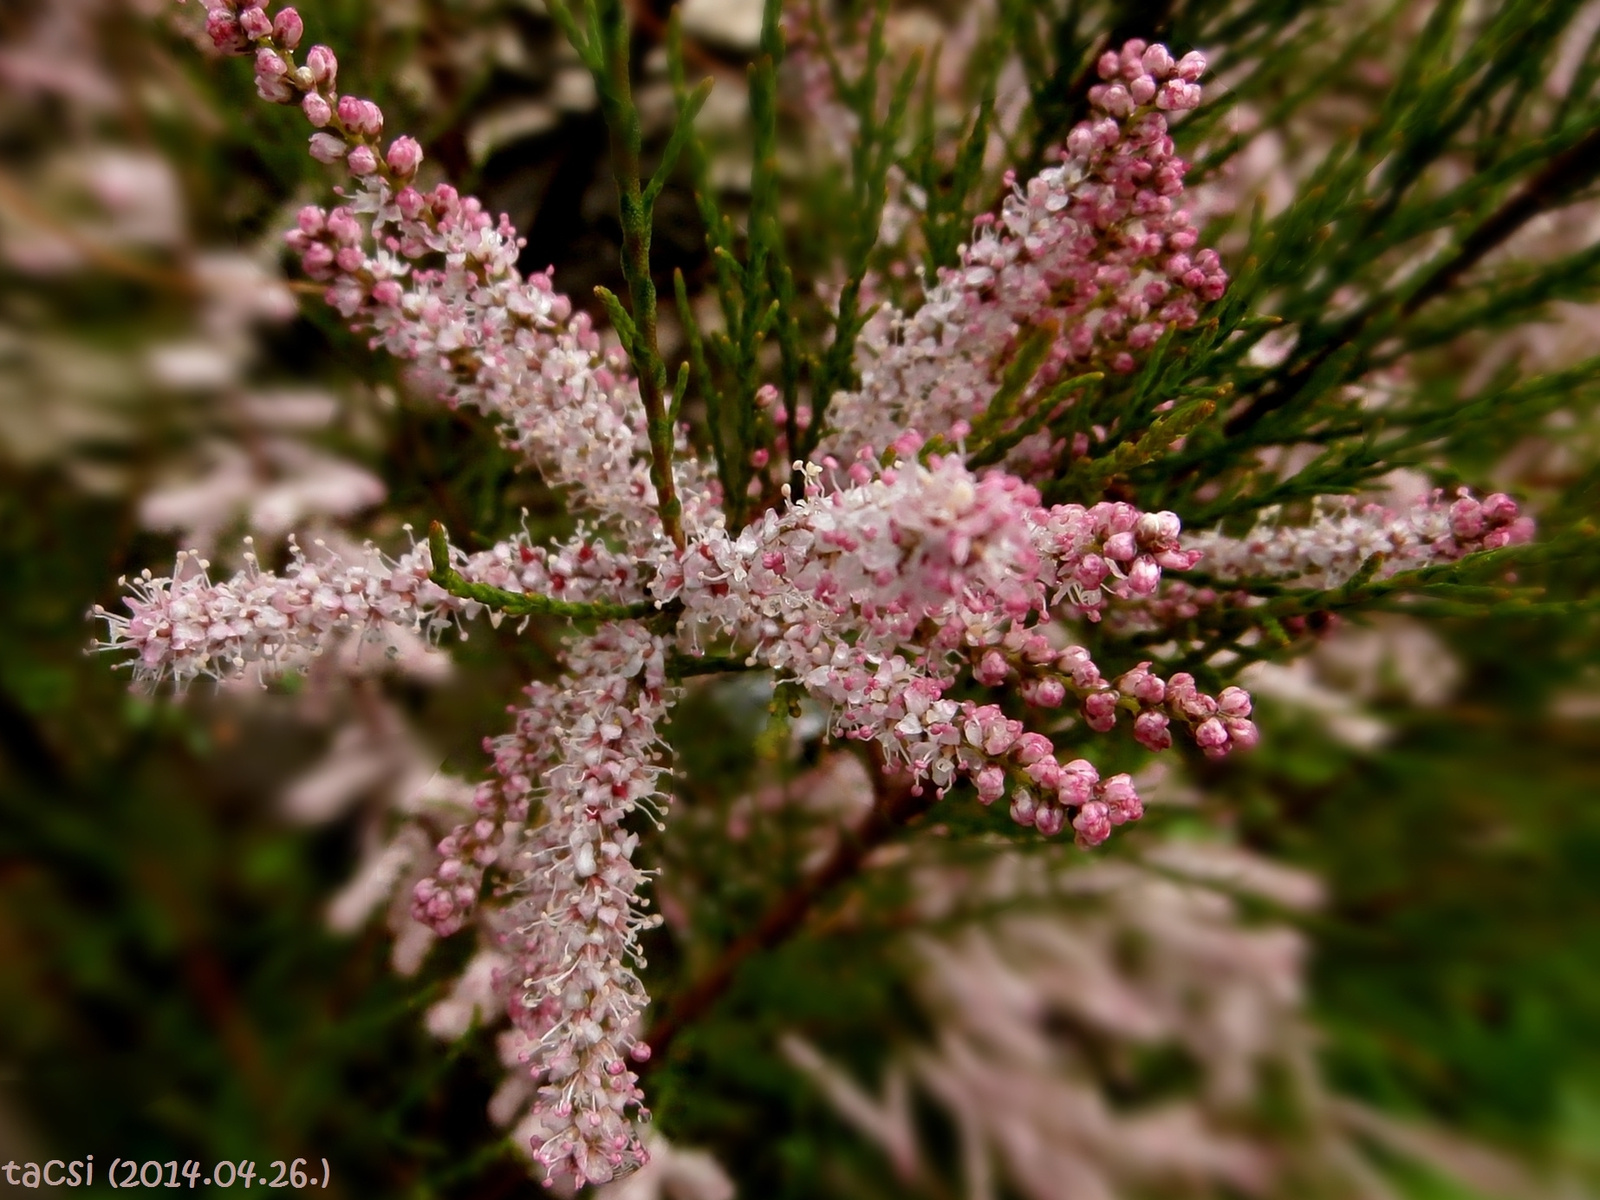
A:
(226, 36)
(1080, 142)
(360, 116)
(1120, 796)
(1076, 783)
(1211, 734)
(255, 23)
(317, 110)
(1157, 60)
(1466, 518)
(343, 226)
(327, 148)
(1233, 702)
(1050, 819)
(1100, 711)
(991, 783)
(1024, 807)
(1031, 747)
(362, 161)
(1049, 693)
(1176, 96)
(322, 64)
(274, 90)
(1242, 734)
(1143, 577)
(1121, 547)
(1093, 824)
(1046, 773)
(1191, 66)
(1150, 729)
(1000, 735)
(350, 111)
(312, 220)
(992, 670)
(1142, 686)
(1038, 650)
(1158, 530)
(317, 261)
(1116, 100)
(404, 156)
(1499, 509)
(270, 64)
(1091, 571)
(288, 28)
(411, 203)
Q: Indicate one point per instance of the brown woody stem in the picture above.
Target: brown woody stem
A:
(894, 806)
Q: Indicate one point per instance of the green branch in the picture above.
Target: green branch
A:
(522, 604)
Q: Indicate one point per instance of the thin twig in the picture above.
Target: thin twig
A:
(895, 805)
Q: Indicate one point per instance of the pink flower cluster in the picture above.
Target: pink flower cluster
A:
(434, 278)
(1345, 533)
(1098, 246)
(584, 754)
(587, 749)
(880, 597)
(187, 626)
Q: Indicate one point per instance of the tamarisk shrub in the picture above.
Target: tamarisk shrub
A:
(914, 516)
